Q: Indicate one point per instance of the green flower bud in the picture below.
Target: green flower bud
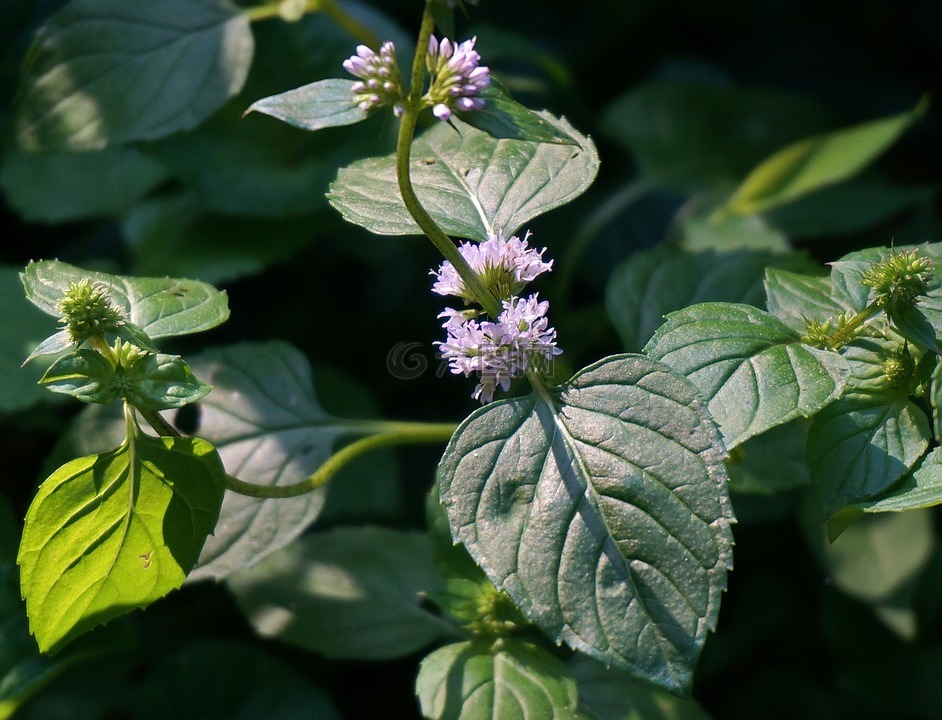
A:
(899, 278)
(87, 311)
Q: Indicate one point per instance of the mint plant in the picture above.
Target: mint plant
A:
(577, 536)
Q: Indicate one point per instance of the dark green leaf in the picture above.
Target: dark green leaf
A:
(319, 105)
(483, 680)
(862, 444)
(265, 420)
(692, 137)
(602, 512)
(503, 117)
(23, 329)
(751, 368)
(160, 382)
(59, 187)
(107, 72)
(815, 162)
(172, 235)
(85, 375)
(652, 283)
(607, 694)
(846, 208)
(226, 680)
(58, 342)
(160, 307)
(346, 593)
(154, 500)
(921, 323)
(473, 185)
(922, 488)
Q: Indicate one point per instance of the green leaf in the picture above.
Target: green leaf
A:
(795, 298)
(503, 117)
(173, 235)
(472, 184)
(818, 161)
(160, 382)
(345, 593)
(23, 328)
(921, 323)
(862, 444)
(85, 375)
(108, 72)
(160, 307)
(480, 680)
(227, 680)
(607, 694)
(654, 282)
(602, 512)
(749, 366)
(265, 420)
(922, 488)
(318, 105)
(154, 499)
(60, 187)
(848, 208)
(691, 137)
(730, 232)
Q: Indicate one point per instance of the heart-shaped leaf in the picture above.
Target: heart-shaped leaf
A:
(602, 510)
(104, 72)
(752, 369)
(472, 184)
(112, 532)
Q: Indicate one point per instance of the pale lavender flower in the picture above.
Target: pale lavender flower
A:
(521, 339)
(379, 78)
(505, 266)
(457, 77)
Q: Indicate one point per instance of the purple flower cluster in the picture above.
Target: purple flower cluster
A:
(519, 339)
(380, 82)
(456, 77)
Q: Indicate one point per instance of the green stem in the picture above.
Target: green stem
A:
(161, 426)
(330, 8)
(408, 433)
(425, 222)
(846, 333)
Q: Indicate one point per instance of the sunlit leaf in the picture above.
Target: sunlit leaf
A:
(471, 183)
(160, 307)
(503, 117)
(602, 511)
(106, 72)
(816, 162)
(154, 500)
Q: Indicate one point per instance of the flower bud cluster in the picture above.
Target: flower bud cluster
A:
(899, 278)
(87, 311)
(519, 339)
(380, 83)
(457, 77)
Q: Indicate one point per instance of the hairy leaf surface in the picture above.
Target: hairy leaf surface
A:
(752, 369)
(602, 511)
(471, 183)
